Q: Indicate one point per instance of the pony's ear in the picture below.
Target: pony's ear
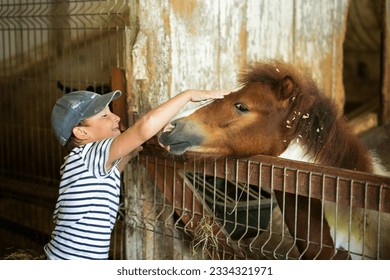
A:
(287, 88)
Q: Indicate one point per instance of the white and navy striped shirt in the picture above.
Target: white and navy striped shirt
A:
(87, 205)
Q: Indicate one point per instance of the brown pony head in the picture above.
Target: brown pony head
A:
(275, 106)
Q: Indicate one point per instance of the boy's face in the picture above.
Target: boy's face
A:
(104, 124)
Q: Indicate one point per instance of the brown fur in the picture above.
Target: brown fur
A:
(312, 117)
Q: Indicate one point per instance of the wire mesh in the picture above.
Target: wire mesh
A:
(268, 208)
(47, 48)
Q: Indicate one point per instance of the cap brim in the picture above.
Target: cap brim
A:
(101, 102)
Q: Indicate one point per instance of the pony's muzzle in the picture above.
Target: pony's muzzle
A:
(180, 136)
(167, 129)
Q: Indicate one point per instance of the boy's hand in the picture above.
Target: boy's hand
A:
(199, 95)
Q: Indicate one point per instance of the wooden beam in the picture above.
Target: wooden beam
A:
(363, 123)
(385, 116)
(119, 106)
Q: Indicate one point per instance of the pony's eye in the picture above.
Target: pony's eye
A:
(241, 107)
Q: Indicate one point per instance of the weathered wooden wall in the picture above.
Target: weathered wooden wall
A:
(178, 45)
(204, 44)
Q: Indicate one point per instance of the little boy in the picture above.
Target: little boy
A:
(88, 201)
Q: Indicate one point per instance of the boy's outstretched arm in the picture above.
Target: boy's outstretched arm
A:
(153, 121)
(122, 164)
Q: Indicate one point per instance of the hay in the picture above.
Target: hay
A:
(204, 238)
(25, 255)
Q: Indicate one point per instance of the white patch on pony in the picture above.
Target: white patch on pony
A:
(296, 151)
(379, 169)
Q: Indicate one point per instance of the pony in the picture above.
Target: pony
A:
(280, 111)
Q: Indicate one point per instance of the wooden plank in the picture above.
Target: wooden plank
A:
(270, 30)
(322, 58)
(119, 105)
(363, 123)
(385, 116)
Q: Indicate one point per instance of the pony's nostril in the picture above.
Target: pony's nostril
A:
(162, 139)
(169, 127)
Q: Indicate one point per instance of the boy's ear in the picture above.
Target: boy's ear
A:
(80, 133)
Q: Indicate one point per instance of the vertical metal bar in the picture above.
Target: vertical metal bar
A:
(271, 222)
(296, 208)
(270, 225)
(39, 111)
(184, 213)
(283, 218)
(308, 215)
(336, 223)
(248, 200)
(322, 215)
(350, 217)
(378, 248)
(259, 205)
(225, 195)
(246, 189)
(365, 217)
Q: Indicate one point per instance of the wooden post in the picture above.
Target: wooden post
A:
(119, 105)
(385, 117)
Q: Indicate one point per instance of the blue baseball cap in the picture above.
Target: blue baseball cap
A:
(76, 106)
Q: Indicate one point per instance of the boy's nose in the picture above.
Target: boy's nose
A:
(116, 118)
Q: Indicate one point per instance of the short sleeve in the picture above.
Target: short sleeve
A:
(96, 155)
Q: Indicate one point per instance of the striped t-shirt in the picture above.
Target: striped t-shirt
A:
(87, 205)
